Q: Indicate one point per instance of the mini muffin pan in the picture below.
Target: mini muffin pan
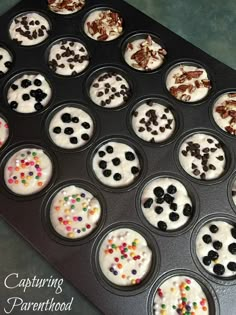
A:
(173, 251)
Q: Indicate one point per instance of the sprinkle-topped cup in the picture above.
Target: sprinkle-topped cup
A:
(28, 171)
(124, 257)
(74, 212)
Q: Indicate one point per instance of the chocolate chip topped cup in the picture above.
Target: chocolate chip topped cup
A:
(188, 83)
(202, 157)
(68, 57)
(5, 61)
(224, 112)
(65, 7)
(29, 29)
(144, 54)
(153, 122)
(110, 90)
(29, 93)
(103, 25)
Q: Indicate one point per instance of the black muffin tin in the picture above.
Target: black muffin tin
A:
(77, 259)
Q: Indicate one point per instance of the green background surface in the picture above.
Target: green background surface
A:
(210, 25)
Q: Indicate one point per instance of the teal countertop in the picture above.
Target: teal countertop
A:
(210, 25)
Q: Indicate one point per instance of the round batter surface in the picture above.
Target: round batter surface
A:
(71, 128)
(65, 6)
(224, 112)
(116, 164)
(68, 57)
(188, 83)
(109, 90)
(5, 61)
(124, 257)
(165, 204)
(103, 25)
(74, 212)
(202, 156)
(153, 122)
(180, 295)
(4, 132)
(29, 93)
(28, 171)
(144, 54)
(216, 248)
(29, 29)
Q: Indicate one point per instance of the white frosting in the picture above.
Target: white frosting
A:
(28, 171)
(109, 90)
(65, 7)
(63, 139)
(224, 114)
(4, 132)
(196, 91)
(170, 293)
(38, 29)
(181, 198)
(103, 20)
(74, 212)
(5, 60)
(28, 106)
(68, 57)
(124, 169)
(149, 122)
(136, 261)
(224, 236)
(154, 58)
(188, 161)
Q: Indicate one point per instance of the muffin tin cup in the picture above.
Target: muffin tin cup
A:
(190, 62)
(45, 213)
(230, 186)
(12, 54)
(214, 99)
(192, 194)
(142, 34)
(147, 280)
(213, 302)
(47, 120)
(227, 150)
(18, 75)
(96, 72)
(227, 281)
(162, 101)
(14, 149)
(10, 135)
(57, 41)
(23, 12)
(99, 8)
(138, 150)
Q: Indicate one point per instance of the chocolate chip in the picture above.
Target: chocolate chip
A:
(134, 170)
(232, 248)
(85, 137)
(213, 228)
(159, 200)
(66, 118)
(13, 105)
(101, 153)
(168, 198)
(75, 120)
(57, 130)
(148, 203)
(25, 83)
(129, 156)
(109, 149)
(38, 106)
(210, 140)
(117, 176)
(173, 206)
(196, 172)
(187, 211)
(14, 87)
(207, 239)
(69, 131)
(203, 176)
(158, 192)
(107, 173)
(231, 266)
(174, 216)
(219, 269)
(213, 255)
(171, 189)
(25, 97)
(116, 161)
(220, 158)
(162, 225)
(158, 210)
(206, 261)
(37, 82)
(212, 167)
(185, 153)
(217, 245)
(102, 165)
(96, 85)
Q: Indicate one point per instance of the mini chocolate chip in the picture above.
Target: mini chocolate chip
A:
(13, 105)
(129, 156)
(107, 173)
(219, 269)
(162, 225)
(206, 261)
(148, 203)
(57, 130)
(158, 191)
(231, 266)
(187, 211)
(196, 172)
(116, 161)
(75, 120)
(14, 87)
(162, 129)
(25, 83)
(174, 216)
(168, 198)
(160, 200)
(213, 228)
(66, 118)
(207, 239)
(213, 255)
(173, 206)
(85, 137)
(203, 176)
(212, 167)
(86, 125)
(171, 189)
(220, 158)
(109, 149)
(100, 94)
(69, 131)
(134, 170)
(158, 210)
(213, 150)
(210, 140)
(185, 153)
(37, 82)
(102, 164)
(96, 85)
(8, 64)
(217, 245)
(117, 176)
(101, 153)
(232, 248)
(38, 106)
(233, 232)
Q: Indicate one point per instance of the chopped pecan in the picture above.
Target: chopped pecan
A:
(185, 97)
(231, 95)
(193, 74)
(130, 46)
(141, 57)
(206, 83)
(162, 52)
(230, 130)
(230, 102)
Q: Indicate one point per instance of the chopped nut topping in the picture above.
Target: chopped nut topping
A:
(69, 5)
(228, 109)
